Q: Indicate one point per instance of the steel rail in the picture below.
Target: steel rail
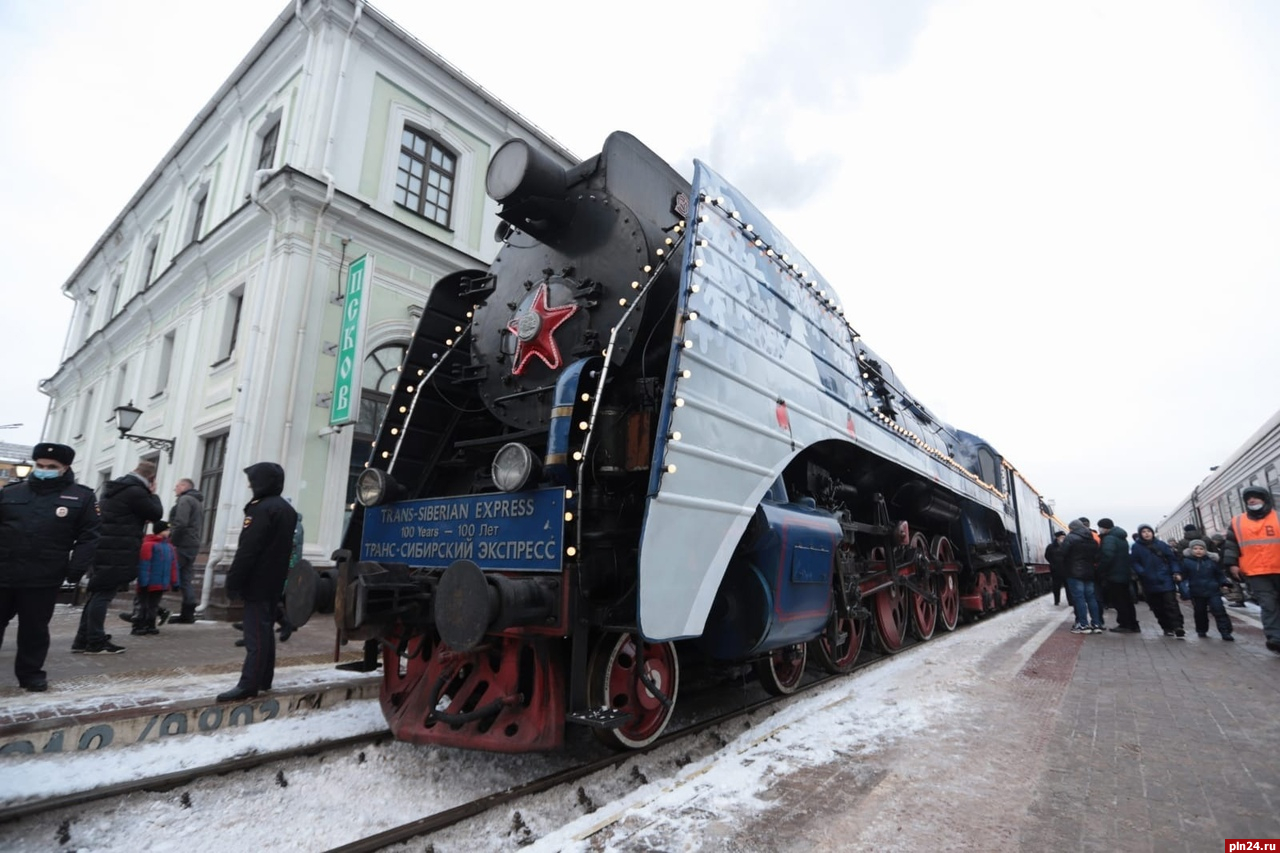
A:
(169, 781)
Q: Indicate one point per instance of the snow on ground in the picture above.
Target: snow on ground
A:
(317, 803)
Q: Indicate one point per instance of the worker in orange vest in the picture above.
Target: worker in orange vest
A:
(1252, 549)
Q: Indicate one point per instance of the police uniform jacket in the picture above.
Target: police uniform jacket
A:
(48, 532)
(261, 564)
(127, 505)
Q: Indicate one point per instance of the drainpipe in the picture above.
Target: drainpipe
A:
(325, 172)
(245, 404)
(307, 74)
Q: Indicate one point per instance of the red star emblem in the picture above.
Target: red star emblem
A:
(535, 331)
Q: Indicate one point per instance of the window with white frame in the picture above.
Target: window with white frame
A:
(85, 325)
(149, 260)
(267, 143)
(199, 203)
(231, 324)
(86, 409)
(122, 389)
(213, 457)
(113, 296)
(425, 176)
(165, 362)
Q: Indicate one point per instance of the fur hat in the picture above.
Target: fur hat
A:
(1194, 542)
(1105, 524)
(1190, 528)
(57, 452)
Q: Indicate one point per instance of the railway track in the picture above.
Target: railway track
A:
(425, 826)
(436, 822)
(178, 778)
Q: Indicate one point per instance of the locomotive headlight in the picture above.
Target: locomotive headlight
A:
(514, 467)
(519, 171)
(372, 486)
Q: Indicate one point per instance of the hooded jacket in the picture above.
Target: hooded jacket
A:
(1079, 553)
(261, 564)
(1113, 557)
(157, 564)
(1155, 563)
(127, 505)
(1270, 564)
(1204, 576)
(49, 531)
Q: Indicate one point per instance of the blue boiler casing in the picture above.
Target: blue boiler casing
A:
(776, 590)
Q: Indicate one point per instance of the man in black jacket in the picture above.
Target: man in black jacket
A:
(1057, 571)
(1117, 574)
(1080, 557)
(186, 520)
(258, 574)
(48, 533)
(127, 505)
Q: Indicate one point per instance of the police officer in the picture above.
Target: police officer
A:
(1252, 550)
(258, 574)
(49, 530)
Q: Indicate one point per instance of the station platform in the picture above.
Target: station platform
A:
(1012, 734)
(163, 684)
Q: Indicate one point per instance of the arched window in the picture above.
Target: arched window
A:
(381, 369)
(425, 176)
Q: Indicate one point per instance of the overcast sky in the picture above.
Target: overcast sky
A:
(1058, 221)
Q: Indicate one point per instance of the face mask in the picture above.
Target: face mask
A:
(46, 474)
(1254, 506)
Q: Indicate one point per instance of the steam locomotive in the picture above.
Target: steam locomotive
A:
(647, 435)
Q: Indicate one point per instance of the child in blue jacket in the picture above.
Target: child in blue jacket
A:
(1206, 581)
(157, 572)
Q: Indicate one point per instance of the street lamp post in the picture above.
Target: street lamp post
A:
(22, 470)
(127, 416)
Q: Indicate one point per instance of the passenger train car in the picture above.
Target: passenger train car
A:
(1212, 504)
(648, 435)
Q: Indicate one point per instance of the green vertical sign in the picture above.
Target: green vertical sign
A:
(345, 406)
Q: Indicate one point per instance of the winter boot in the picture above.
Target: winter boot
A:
(163, 614)
(186, 617)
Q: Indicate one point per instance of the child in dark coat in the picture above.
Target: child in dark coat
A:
(1206, 581)
(157, 572)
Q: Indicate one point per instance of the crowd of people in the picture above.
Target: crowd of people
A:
(1100, 569)
(54, 530)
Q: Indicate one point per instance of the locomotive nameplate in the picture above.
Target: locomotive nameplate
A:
(522, 531)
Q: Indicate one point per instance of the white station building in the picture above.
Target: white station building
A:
(214, 302)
